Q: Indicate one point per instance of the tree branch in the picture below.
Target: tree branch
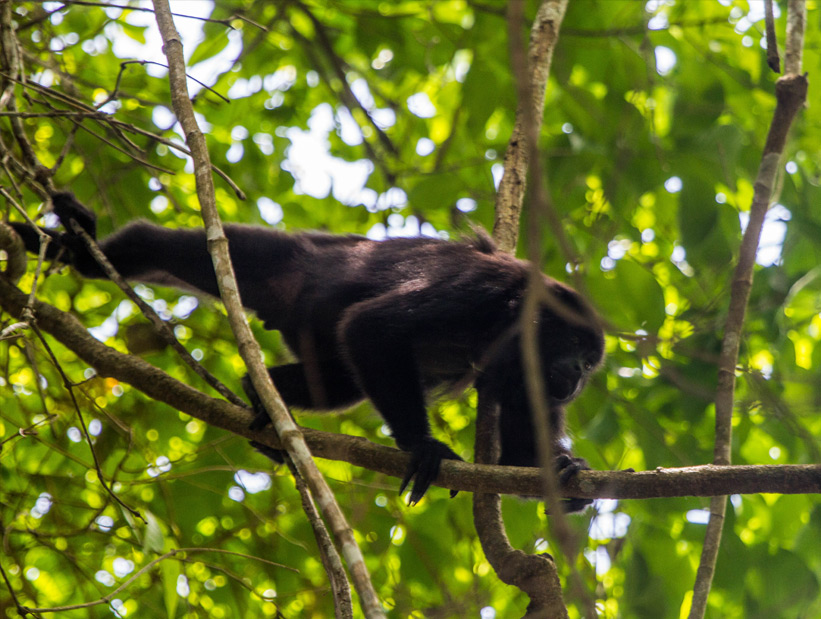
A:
(535, 575)
(705, 480)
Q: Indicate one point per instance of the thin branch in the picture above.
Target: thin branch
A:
(628, 31)
(69, 387)
(544, 35)
(351, 101)
(286, 429)
(102, 117)
(340, 588)
(536, 390)
(345, 95)
(126, 7)
(188, 75)
(10, 56)
(106, 599)
(161, 326)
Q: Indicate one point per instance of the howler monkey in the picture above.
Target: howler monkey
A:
(384, 320)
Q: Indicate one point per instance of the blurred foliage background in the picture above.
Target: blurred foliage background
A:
(391, 118)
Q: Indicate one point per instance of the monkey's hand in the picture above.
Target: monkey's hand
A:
(566, 467)
(68, 209)
(276, 455)
(426, 458)
(261, 418)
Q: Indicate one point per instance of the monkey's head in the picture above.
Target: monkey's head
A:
(571, 343)
(571, 347)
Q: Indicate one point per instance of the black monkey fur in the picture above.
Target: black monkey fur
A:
(388, 321)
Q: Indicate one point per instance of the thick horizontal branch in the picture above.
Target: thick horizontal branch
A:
(690, 481)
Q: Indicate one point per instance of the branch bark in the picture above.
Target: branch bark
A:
(291, 438)
(528, 76)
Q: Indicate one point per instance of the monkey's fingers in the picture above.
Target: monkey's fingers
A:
(261, 418)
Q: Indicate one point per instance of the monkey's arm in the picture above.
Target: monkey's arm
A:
(378, 338)
(140, 251)
(172, 257)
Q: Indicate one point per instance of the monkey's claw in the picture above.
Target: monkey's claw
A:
(426, 459)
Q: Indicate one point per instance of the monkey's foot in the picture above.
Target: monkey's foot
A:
(277, 455)
(566, 467)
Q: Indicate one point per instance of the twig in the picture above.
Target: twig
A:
(69, 386)
(107, 118)
(641, 30)
(11, 60)
(126, 7)
(347, 94)
(149, 566)
(773, 61)
(188, 75)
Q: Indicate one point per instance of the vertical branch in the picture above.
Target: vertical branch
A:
(530, 118)
(341, 590)
(544, 34)
(288, 432)
(791, 92)
(534, 574)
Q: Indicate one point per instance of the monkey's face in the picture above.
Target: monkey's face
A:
(570, 353)
(566, 376)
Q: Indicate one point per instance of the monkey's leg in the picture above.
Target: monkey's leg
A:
(333, 387)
